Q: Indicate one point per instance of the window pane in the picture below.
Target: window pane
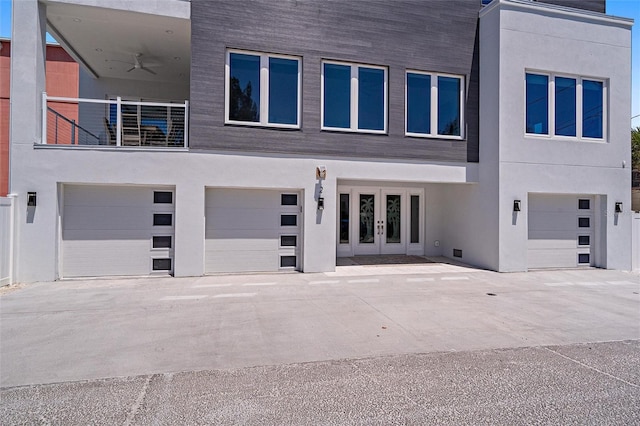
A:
(394, 216)
(584, 240)
(418, 103)
(162, 242)
(337, 96)
(367, 218)
(283, 91)
(289, 199)
(415, 219)
(344, 218)
(162, 219)
(370, 99)
(288, 240)
(162, 197)
(592, 109)
(565, 106)
(584, 204)
(244, 87)
(287, 261)
(537, 104)
(448, 106)
(161, 264)
(288, 220)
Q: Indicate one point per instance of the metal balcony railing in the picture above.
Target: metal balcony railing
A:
(114, 123)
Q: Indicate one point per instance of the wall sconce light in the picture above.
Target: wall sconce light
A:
(516, 205)
(321, 203)
(321, 172)
(618, 207)
(31, 199)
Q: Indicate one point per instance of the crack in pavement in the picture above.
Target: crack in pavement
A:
(136, 405)
(592, 368)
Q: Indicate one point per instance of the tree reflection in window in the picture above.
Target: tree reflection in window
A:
(242, 107)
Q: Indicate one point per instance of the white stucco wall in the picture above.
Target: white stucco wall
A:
(535, 37)
(41, 169)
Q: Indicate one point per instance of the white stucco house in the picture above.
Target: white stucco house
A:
(230, 136)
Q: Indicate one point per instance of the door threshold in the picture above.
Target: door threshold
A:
(387, 259)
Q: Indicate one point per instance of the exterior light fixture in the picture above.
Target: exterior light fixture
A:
(516, 205)
(618, 207)
(321, 172)
(31, 199)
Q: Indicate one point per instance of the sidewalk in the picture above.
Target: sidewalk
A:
(89, 329)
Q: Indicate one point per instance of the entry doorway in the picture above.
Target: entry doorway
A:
(380, 221)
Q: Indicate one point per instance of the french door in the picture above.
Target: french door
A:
(378, 221)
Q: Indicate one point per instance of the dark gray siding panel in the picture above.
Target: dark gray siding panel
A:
(593, 5)
(434, 35)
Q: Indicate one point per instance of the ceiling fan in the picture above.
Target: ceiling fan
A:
(138, 65)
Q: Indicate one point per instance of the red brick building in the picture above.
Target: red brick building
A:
(62, 80)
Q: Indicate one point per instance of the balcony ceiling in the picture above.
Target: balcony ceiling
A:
(105, 41)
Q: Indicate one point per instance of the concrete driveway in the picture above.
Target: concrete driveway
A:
(90, 329)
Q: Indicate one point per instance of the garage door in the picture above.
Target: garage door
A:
(560, 231)
(122, 230)
(251, 230)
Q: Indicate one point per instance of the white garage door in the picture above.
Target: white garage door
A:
(122, 230)
(560, 231)
(252, 230)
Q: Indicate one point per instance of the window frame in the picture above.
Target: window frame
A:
(354, 101)
(264, 89)
(433, 123)
(551, 112)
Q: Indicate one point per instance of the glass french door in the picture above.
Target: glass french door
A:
(379, 219)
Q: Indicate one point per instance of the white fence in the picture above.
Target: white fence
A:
(7, 215)
(635, 241)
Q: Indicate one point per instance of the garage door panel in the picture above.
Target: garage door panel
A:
(241, 261)
(242, 198)
(553, 230)
(557, 258)
(108, 230)
(236, 244)
(89, 218)
(242, 231)
(552, 221)
(255, 218)
(107, 196)
(552, 203)
(552, 244)
(85, 258)
(241, 234)
(105, 234)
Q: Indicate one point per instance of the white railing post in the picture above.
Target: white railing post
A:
(12, 236)
(118, 121)
(44, 118)
(186, 124)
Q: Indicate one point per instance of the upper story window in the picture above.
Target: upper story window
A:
(262, 89)
(354, 97)
(434, 105)
(567, 106)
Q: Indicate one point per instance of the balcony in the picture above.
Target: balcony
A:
(114, 123)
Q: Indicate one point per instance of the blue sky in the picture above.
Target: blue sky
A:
(625, 8)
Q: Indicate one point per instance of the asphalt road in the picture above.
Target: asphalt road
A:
(421, 344)
(574, 384)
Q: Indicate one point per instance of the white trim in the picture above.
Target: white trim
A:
(354, 101)
(264, 90)
(433, 123)
(524, 5)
